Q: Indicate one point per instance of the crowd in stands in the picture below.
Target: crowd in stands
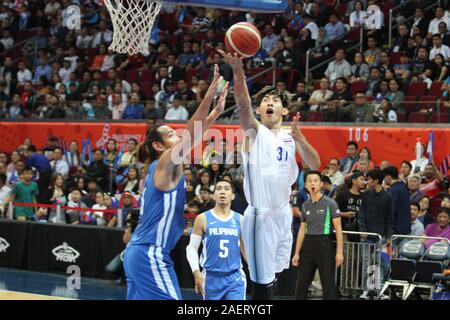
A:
(49, 71)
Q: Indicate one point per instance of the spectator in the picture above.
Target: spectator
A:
(43, 69)
(358, 15)
(444, 32)
(400, 196)
(349, 202)
(440, 229)
(13, 177)
(373, 54)
(270, 39)
(56, 195)
(419, 166)
(376, 216)
(360, 69)
(135, 110)
(335, 28)
(433, 27)
(440, 69)
(384, 112)
(25, 191)
(425, 216)
(364, 154)
(445, 203)
(109, 61)
(7, 40)
(332, 171)
(401, 42)
(99, 205)
(109, 217)
(42, 166)
(174, 72)
(342, 93)
(89, 196)
(403, 66)
(319, 97)
(204, 182)
(373, 81)
(431, 182)
(321, 48)
(421, 69)
(129, 157)
(333, 112)
(84, 40)
(186, 56)
(111, 152)
(405, 171)
(151, 112)
(420, 21)
(360, 111)
(23, 74)
(102, 36)
(176, 112)
(99, 58)
(204, 200)
(65, 71)
(347, 163)
(375, 19)
(438, 47)
(15, 110)
(118, 107)
(127, 203)
(395, 96)
(5, 194)
(417, 228)
(201, 22)
(131, 182)
(338, 68)
(311, 26)
(385, 62)
(58, 164)
(299, 101)
(98, 170)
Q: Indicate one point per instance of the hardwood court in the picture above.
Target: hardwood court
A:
(15, 295)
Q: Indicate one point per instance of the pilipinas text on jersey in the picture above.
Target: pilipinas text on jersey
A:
(221, 243)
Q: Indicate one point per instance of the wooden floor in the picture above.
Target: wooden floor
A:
(14, 295)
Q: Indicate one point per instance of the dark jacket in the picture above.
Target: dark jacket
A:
(376, 213)
(401, 206)
(344, 161)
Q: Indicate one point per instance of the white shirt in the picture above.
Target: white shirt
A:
(5, 191)
(98, 37)
(177, 114)
(319, 94)
(268, 42)
(392, 116)
(314, 29)
(7, 42)
(52, 8)
(61, 167)
(375, 20)
(84, 42)
(357, 18)
(73, 62)
(433, 27)
(64, 74)
(108, 63)
(100, 221)
(24, 75)
(337, 178)
(417, 228)
(444, 50)
(422, 164)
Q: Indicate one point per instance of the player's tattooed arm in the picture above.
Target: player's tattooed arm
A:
(303, 147)
(241, 95)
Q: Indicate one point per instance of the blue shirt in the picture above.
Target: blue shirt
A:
(401, 206)
(335, 31)
(42, 70)
(162, 222)
(221, 243)
(133, 111)
(40, 162)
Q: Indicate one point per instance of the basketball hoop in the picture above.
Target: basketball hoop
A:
(132, 22)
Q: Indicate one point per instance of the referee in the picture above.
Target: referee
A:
(315, 247)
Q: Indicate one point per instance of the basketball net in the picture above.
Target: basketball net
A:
(132, 22)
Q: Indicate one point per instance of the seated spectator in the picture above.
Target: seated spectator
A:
(151, 112)
(338, 68)
(420, 21)
(198, 58)
(421, 69)
(438, 47)
(332, 171)
(97, 63)
(23, 74)
(445, 203)
(99, 205)
(403, 66)
(165, 96)
(109, 61)
(7, 40)
(118, 107)
(183, 90)
(405, 171)
(98, 171)
(417, 228)
(395, 96)
(444, 33)
(360, 111)
(102, 36)
(186, 56)
(342, 93)
(299, 101)
(333, 112)
(373, 81)
(376, 21)
(74, 201)
(401, 42)
(13, 177)
(364, 154)
(419, 166)
(127, 203)
(84, 40)
(425, 213)
(431, 182)
(201, 22)
(440, 16)
(111, 152)
(25, 191)
(43, 69)
(439, 229)
(335, 28)
(385, 62)
(319, 98)
(15, 109)
(204, 182)
(384, 112)
(58, 164)
(321, 49)
(360, 69)
(358, 15)
(109, 217)
(440, 69)
(347, 163)
(131, 182)
(176, 112)
(270, 39)
(282, 57)
(373, 54)
(204, 200)
(129, 157)
(135, 110)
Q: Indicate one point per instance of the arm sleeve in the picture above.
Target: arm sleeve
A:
(192, 251)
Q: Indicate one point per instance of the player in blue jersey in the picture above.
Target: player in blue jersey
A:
(148, 266)
(219, 230)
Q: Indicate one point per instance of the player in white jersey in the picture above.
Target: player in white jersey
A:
(270, 171)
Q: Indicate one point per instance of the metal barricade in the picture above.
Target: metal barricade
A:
(362, 267)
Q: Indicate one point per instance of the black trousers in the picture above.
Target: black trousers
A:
(43, 183)
(318, 252)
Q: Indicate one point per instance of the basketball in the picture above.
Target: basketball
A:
(243, 38)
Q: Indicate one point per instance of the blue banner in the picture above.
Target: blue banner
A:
(239, 5)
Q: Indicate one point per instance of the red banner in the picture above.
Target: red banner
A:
(392, 144)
